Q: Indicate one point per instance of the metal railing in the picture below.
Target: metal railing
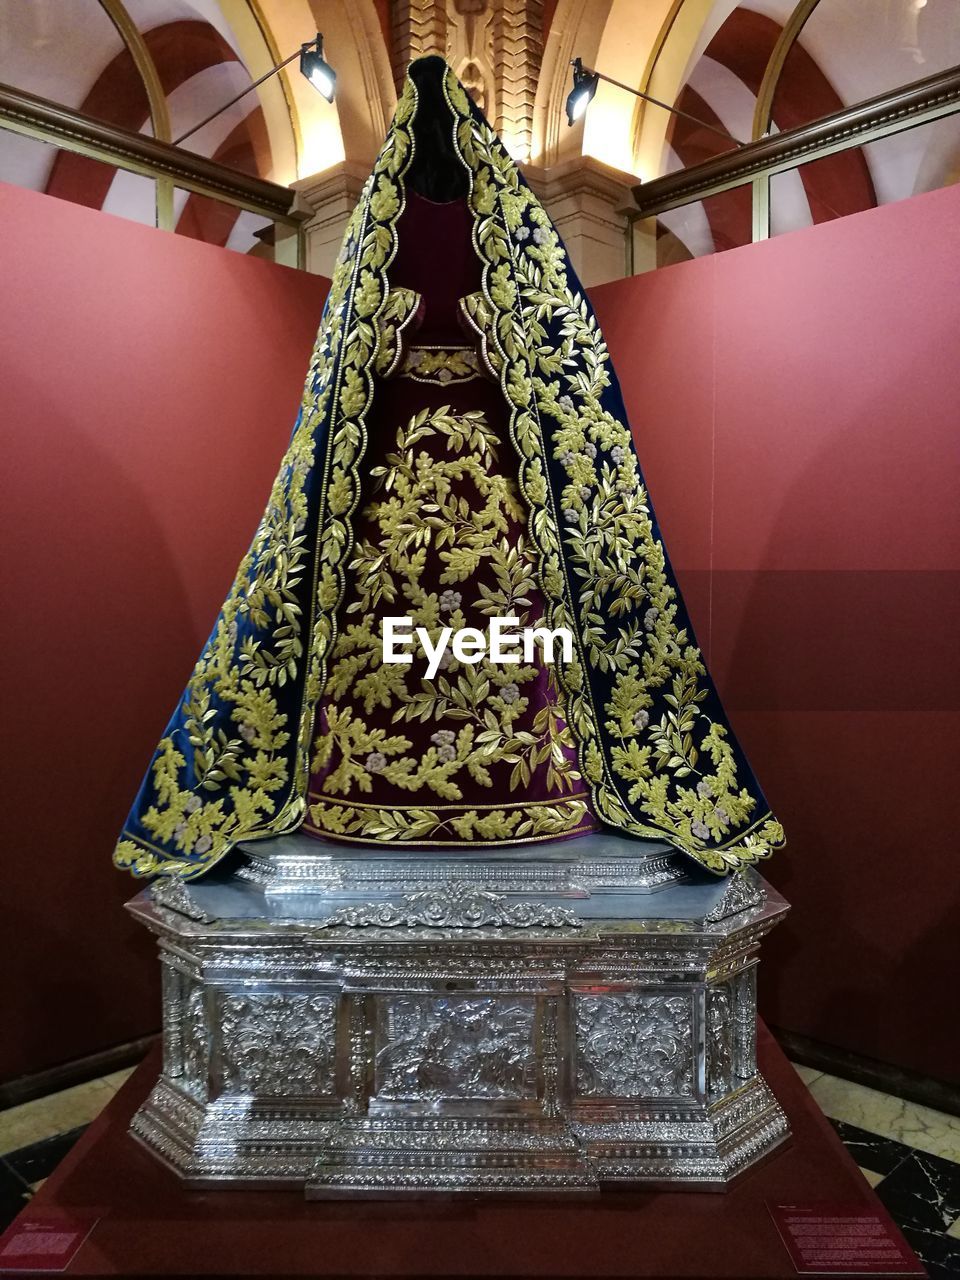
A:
(757, 162)
(169, 166)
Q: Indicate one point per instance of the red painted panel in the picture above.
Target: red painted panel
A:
(793, 406)
(871, 873)
(149, 387)
(836, 409)
(830, 411)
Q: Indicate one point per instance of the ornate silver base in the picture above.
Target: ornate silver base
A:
(600, 862)
(457, 1036)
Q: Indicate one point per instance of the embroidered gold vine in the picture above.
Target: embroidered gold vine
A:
(653, 744)
(667, 760)
(442, 495)
(243, 782)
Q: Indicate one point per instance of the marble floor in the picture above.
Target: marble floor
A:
(910, 1154)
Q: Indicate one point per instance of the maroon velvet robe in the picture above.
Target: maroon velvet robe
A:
(481, 753)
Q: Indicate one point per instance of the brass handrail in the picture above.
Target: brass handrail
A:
(888, 113)
(133, 38)
(35, 117)
(789, 35)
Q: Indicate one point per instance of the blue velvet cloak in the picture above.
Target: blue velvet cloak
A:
(654, 744)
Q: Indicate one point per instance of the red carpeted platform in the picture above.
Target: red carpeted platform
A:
(149, 1226)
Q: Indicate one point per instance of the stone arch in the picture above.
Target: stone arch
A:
(366, 97)
(575, 32)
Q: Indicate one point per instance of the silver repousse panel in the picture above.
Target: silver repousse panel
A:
(719, 1041)
(434, 1049)
(277, 1044)
(634, 1044)
(379, 1043)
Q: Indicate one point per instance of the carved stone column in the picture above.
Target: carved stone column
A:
(587, 201)
(331, 196)
(494, 46)
(417, 27)
(518, 53)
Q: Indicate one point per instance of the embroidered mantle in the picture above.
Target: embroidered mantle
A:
(655, 748)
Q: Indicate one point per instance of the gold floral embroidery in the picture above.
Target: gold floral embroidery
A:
(246, 777)
(399, 312)
(521, 823)
(478, 316)
(443, 365)
(455, 504)
(653, 745)
(656, 753)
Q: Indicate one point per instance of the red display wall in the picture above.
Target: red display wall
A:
(148, 386)
(794, 407)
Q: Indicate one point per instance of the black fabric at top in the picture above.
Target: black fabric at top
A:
(435, 171)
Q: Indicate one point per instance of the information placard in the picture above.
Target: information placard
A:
(44, 1244)
(828, 1239)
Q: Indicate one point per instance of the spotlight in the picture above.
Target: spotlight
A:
(316, 68)
(313, 65)
(581, 95)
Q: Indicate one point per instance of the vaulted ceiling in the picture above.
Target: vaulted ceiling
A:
(709, 57)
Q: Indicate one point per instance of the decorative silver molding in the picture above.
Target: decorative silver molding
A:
(589, 865)
(452, 906)
(743, 892)
(743, 1030)
(719, 1039)
(172, 893)
(195, 1031)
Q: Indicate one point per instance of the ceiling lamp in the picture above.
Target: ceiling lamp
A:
(316, 68)
(313, 65)
(581, 95)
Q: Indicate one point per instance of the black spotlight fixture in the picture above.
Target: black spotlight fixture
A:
(585, 86)
(313, 65)
(316, 68)
(581, 95)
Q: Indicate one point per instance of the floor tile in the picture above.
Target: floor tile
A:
(871, 1177)
(938, 1253)
(806, 1074)
(41, 1158)
(46, 1117)
(880, 1155)
(14, 1194)
(116, 1079)
(924, 1191)
(890, 1117)
(954, 1230)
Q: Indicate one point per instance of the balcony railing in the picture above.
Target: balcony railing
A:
(757, 162)
(168, 165)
